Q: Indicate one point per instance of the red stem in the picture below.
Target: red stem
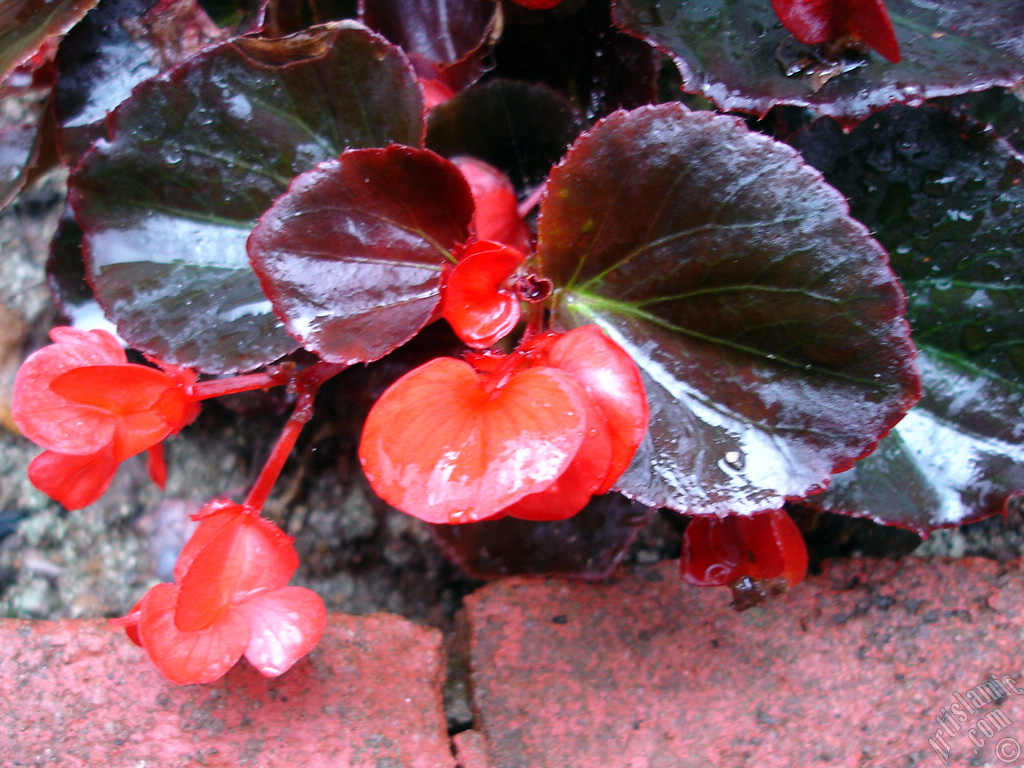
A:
(204, 390)
(307, 383)
(531, 200)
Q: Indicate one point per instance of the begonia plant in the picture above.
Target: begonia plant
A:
(660, 305)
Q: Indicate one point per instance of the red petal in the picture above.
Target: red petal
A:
(613, 383)
(473, 301)
(211, 524)
(119, 389)
(45, 417)
(440, 445)
(538, 5)
(89, 347)
(434, 92)
(574, 488)
(189, 657)
(157, 466)
(130, 623)
(247, 555)
(712, 555)
(147, 404)
(819, 21)
(75, 481)
(284, 625)
(768, 545)
(496, 215)
(778, 548)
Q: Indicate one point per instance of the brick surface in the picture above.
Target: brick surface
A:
(77, 693)
(851, 669)
(471, 750)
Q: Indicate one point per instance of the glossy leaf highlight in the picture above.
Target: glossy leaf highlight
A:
(196, 156)
(352, 255)
(25, 25)
(738, 54)
(766, 322)
(947, 198)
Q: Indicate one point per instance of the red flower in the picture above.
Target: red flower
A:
(476, 299)
(91, 409)
(819, 21)
(533, 434)
(496, 208)
(538, 5)
(616, 420)
(229, 598)
(720, 551)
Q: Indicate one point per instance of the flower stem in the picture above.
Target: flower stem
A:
(307, 384)
(205, 390)
(531, 200)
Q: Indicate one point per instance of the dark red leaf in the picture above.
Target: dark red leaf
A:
(26, 24)
(352, 255)
(116, 47)
(575, 50)
(765, 320)
(518, 128)
(168, 202)
(947, 198)
(442, 34)
(739, 56)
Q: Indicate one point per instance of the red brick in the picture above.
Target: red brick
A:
(77, 693)
(850, 669)
(471, 750)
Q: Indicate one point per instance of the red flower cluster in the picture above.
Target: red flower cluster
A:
(720, 551)
(91, 409)
(533, 434)
(229, 598)
(821, 21)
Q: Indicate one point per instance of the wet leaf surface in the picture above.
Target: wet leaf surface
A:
(1000, 108)
(520, 128)
(198, 155)
(352, 255)
(25, 25)
(116, 47)
(440, 32)
(736, 53)
(765, 320)
(947, 199)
